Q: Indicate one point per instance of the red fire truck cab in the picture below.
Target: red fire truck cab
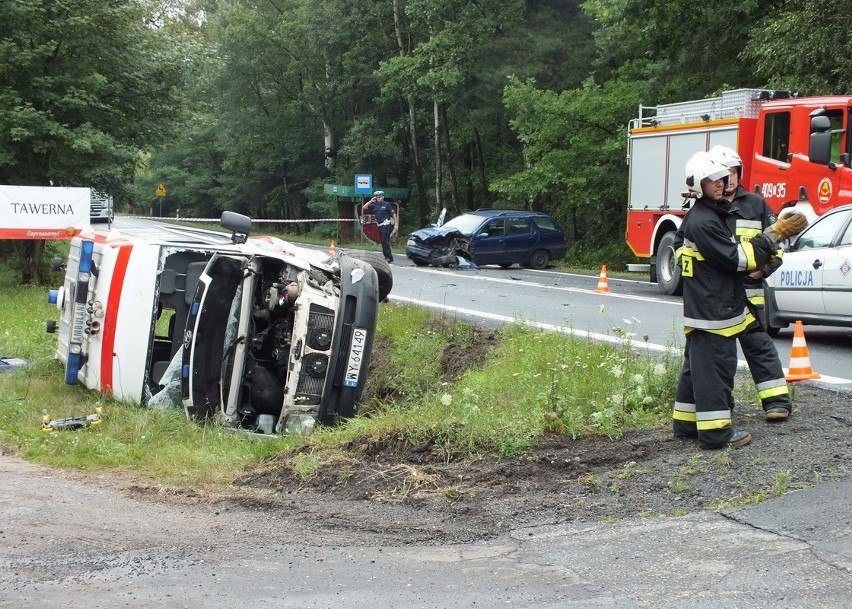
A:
(796, 152)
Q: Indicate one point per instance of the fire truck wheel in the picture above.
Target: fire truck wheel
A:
(380, 265)
(668, 271)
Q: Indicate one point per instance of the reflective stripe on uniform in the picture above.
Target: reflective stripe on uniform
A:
(691, 250)
(684, 411)
(772, 388)
(724, 327)
(713, 419)
(745, 257)
(746, 229)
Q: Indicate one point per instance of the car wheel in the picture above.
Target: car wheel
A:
(769, 310)
(418, 261)
(539, 260)
(505, 266)
(668, 270)
(380, 265)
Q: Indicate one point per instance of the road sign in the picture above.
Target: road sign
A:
(363, 184)
(161, 191)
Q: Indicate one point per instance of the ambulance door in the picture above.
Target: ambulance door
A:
(218, 317)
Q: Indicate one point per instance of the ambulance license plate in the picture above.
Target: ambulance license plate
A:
(356, 357)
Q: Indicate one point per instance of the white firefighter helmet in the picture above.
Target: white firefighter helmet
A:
(702, 166)
(728, 157)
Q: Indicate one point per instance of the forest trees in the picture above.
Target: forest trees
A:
(253, 106)
(85, 86)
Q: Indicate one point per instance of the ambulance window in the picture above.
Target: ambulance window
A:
(776, 136)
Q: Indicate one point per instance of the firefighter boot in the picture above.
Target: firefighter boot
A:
(737, 439)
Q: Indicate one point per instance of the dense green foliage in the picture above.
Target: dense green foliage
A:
(492, 103)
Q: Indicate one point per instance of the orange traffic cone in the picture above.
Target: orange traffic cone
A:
(800, 361)
(603, 285)
(332, 248)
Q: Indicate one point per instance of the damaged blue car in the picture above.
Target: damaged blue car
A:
(502, 237)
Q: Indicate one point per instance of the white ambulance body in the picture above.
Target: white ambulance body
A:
(268, 334)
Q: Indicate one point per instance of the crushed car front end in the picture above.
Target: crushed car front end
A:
(438, 247)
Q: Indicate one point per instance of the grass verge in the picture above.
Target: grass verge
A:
(466, 391)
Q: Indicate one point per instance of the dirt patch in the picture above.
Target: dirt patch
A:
(460, 356)
(399, 493)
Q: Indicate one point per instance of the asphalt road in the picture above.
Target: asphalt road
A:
(570, 302)
(69, 544)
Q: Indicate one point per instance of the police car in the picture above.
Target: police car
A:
(814, 284)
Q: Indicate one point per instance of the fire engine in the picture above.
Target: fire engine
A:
(796, 154)
(261, 334)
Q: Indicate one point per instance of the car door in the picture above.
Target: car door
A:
(489, 242)
(521, 240)
(837, 273)
(799, 281)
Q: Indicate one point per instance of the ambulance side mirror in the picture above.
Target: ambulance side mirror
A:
(238, 224)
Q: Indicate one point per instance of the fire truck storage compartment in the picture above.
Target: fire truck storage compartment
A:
(657, 179)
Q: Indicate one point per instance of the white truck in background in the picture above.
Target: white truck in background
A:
(101, 207)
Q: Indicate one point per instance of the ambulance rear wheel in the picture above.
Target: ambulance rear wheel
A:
(668, 271)
(380, 265)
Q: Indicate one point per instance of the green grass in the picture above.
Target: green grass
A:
(531, 383)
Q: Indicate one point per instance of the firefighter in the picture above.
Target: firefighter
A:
(750, 215)
(715, 307)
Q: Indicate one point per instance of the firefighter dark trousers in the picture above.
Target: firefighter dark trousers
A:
(765, 367)
(705, 388)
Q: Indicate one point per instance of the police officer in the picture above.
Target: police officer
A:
(386, 218)
(749, 215)
(715, 307)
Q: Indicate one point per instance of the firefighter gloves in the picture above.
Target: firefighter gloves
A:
(789, 225)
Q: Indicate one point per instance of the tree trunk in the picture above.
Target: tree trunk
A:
(480, 162)
(29, 253)
(328, 139)
(413, 146)
(439, 184)
(469, 195)
(448, 151)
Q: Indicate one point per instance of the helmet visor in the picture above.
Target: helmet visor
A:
(718, 175)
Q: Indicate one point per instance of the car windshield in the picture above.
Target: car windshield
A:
(466, 223)
(821, 233)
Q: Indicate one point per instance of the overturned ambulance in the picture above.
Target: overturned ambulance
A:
(260, 333)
